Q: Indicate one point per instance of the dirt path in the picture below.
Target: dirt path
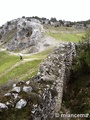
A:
(17, 64)
(13, 53)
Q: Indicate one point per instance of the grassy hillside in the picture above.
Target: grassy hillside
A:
(69, 37)
(69, 34)
(11, 68)
(6, 61)
(21, 72)
(29, 68)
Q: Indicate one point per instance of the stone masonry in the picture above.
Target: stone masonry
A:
(44, 92)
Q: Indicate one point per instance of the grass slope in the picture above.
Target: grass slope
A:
(69, 37)
(20, 71)
(7, 61)
(69, 34)
(23, 70)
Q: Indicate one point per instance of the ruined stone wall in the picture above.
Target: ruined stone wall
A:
(43, 93)
(56, 68)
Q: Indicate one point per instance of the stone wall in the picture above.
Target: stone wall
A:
(43, 93)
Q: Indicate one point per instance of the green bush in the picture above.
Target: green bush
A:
(82, 61)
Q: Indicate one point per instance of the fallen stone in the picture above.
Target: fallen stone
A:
(27, 89)
(16, 89)
(21, 104)
(7, 94)
(28, 82)
(3, 106)
(14, 85)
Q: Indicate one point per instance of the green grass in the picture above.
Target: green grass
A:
(61, 33)
(6, 61)
(30, 68)
(59, 29)
(30, 74)
(69, 37)
(23, 71)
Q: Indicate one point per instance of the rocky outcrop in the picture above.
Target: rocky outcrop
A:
(25, 34)
(7, 27)
(42, 95)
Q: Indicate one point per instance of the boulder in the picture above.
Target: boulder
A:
(7, 94)
(21, 103)
(16, 89)
(27, 89)
(3, 106)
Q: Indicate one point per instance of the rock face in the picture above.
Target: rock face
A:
(27, 33)
(43, 93)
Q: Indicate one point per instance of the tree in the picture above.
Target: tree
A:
(43, 18)
(53, 19)
(61, 22)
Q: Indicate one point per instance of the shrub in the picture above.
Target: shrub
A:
(82, 64)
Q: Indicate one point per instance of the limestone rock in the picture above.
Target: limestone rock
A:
(16, 89)
(27, 89)
(21, 104)
(27, 33)
(28, 82)
(7, 94)
(3, 106)
(14, 85)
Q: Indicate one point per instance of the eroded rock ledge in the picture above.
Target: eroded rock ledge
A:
(26, 35)
(41, 96)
